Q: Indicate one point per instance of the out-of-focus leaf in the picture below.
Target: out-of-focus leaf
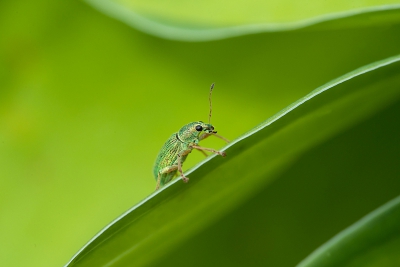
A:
(212, 20)
(158, 226)
(372, 241)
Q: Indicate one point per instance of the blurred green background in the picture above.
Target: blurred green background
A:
(87, 101)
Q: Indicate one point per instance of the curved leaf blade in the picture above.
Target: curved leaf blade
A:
(372, 241)
(169, 216)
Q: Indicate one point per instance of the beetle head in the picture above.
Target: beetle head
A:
(191, 132)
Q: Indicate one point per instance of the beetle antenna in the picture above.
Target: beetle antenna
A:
(209, 115)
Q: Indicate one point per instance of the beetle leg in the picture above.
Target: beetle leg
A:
(184, 178)
(204, 153)
(158, 181)
(204, 136)
(221, 137)
(210, 149)
(164, 171)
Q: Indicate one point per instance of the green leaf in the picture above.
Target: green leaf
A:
(372, 241)
(175, 223)
(212, 20)
(86, 102)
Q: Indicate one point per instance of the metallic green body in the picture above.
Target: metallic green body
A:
(179, 144)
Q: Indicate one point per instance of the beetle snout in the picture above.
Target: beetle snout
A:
(211, 129)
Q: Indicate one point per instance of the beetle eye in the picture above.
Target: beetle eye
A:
(199, 128)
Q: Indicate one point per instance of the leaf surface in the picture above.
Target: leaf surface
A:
(221, 187)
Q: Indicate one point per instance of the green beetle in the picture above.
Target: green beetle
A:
(176, 149)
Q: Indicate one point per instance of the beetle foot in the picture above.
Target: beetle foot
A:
(185, 179)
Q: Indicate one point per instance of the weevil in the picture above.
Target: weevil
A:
(178, 146)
